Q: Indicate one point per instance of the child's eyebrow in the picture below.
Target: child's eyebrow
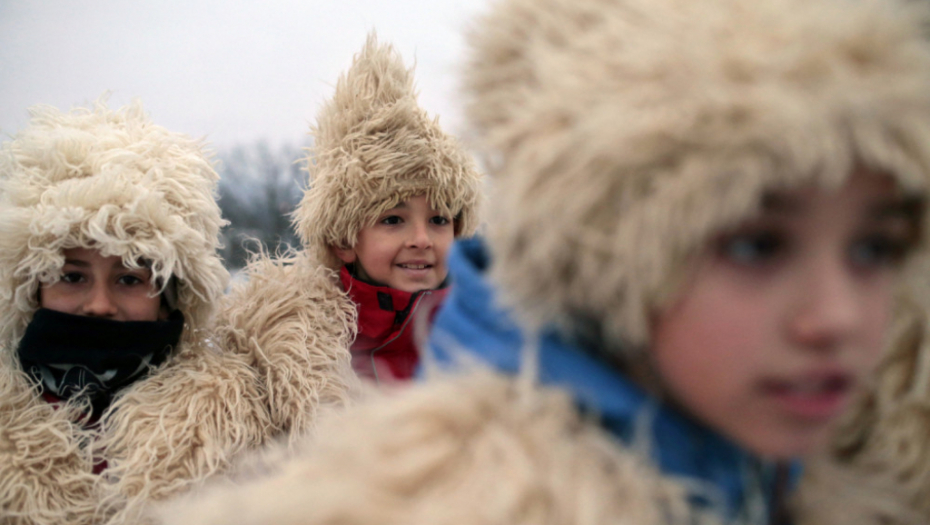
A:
(895, 207)
(903, 208)
(779, 203)
(77, 262)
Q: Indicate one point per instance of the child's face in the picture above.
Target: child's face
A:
(98, 286)
(405, 248)
(786, 315)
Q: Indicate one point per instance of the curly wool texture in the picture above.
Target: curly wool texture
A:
(294, 324)
(163, 435)
(623, 134)
(177, 428)
(374, 147)
(109, 180)
(45, 472)
(479, 448)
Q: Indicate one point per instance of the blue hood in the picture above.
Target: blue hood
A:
(472, 321)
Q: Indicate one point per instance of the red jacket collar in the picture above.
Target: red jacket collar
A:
(383, 332)
(379, 307)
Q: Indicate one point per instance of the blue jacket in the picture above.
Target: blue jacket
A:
(734, 481)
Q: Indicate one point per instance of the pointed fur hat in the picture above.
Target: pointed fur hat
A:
(109, 180)
(374, 147)
(622, 134)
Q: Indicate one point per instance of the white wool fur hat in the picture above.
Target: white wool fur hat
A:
(113, 181)
(624, 134)
(374, 147)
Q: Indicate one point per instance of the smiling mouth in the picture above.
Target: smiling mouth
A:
(415, 266)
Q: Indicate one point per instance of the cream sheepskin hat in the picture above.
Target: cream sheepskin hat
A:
(623, 134)
(109, 180)
(374, 147)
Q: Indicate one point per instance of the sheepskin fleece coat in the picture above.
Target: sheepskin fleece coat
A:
(622, 135)
(113, 181)
(479, 449)
(373, 148)
(289, 318)
(163, 434)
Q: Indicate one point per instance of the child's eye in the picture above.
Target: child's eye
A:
(878, 250)
(72, 277)
(130, 280)
(752, 248)
(439, 220)
(391, 219)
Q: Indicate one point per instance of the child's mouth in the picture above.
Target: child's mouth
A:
(816, 397)
(415, 266)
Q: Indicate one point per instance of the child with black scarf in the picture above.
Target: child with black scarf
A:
(110, 393)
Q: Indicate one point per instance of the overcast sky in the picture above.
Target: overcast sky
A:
(232, 71)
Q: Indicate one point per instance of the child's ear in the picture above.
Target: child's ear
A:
(346, 255)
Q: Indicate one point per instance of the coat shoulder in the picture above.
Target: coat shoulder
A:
(182, 424)
(292, 321)
(46, 469)
(479, 448)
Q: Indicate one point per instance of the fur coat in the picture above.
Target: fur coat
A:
(480, 448)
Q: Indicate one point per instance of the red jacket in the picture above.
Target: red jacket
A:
(385, 349)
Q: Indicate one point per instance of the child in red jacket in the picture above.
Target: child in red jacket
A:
(388, 192)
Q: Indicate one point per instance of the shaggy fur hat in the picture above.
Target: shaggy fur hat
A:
(112, 181)
(374, 147)
(623, 134)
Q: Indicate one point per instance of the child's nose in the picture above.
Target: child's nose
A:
(420, 237)
(826, 310)
(100, 302)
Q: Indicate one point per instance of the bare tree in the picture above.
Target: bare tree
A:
(259, 189)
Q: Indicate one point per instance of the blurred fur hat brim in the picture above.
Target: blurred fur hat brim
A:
(623, 134)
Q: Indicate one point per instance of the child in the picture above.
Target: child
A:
(108, 272)
(754, 179)
(388, 193)
(704, 221)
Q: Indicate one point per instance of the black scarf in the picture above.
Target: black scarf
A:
(73, 355)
